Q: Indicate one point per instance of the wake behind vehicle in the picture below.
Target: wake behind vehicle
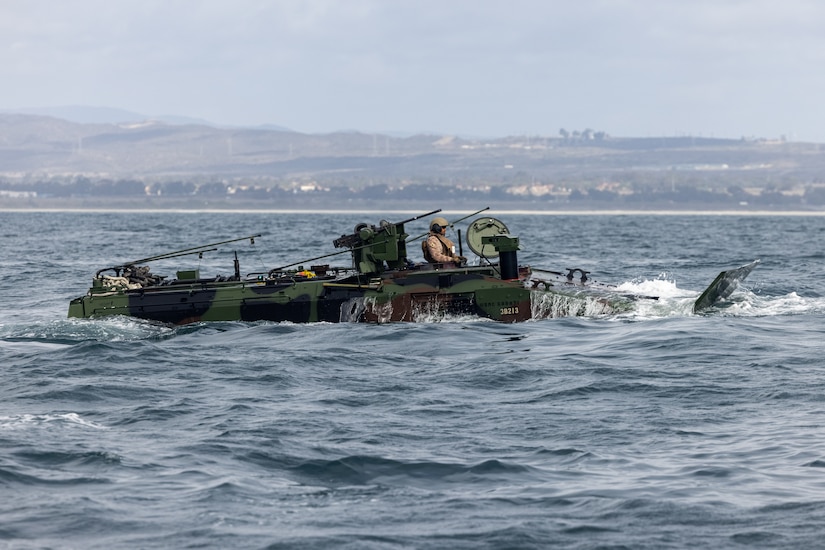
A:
(381, 285)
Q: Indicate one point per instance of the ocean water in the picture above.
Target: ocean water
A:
(656, 428)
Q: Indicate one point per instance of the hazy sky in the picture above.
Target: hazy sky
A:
(722, 68)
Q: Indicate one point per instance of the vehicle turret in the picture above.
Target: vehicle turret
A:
(376, 248)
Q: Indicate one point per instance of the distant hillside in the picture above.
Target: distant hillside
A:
(43, 148)
(82, 114)
(46, 145)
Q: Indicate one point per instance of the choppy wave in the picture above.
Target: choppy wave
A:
(52, 421)
(647, 428)
(71, 331)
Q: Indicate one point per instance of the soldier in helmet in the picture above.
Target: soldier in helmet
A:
(438, 248)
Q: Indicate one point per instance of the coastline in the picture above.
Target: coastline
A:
(383, 206)
(413, 211)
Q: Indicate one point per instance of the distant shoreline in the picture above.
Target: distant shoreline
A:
(181, 205)
(491, 212)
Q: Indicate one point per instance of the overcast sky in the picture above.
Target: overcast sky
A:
(723, 68)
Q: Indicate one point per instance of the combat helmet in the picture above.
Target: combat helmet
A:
(440, 222)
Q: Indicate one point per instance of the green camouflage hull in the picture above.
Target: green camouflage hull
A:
(381, 286)
(395, 296)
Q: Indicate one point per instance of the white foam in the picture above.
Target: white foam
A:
(743, 302)
(788, 304)
(661, 287)
(28, 420)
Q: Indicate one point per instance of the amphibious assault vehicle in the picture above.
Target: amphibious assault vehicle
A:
(381, 285)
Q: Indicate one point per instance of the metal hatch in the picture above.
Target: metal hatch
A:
(485, 227)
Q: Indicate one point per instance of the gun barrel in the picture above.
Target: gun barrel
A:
(421, 216)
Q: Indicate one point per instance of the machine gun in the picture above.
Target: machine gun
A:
(371, 246)
(374, 246)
